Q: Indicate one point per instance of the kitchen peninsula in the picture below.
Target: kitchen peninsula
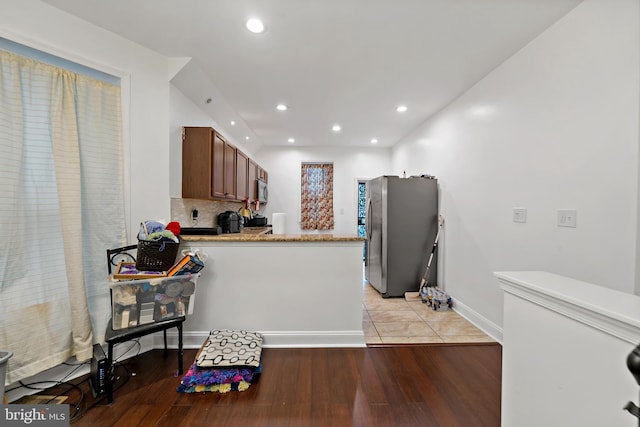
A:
(297, 290)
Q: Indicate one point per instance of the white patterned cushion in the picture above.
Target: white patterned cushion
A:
(231, 348)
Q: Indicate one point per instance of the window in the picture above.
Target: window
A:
(362, 215)
(61, 207)
(362, 208)
(316, 201)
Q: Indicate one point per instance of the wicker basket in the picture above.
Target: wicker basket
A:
(156, 256)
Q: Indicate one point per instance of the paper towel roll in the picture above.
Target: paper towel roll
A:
(278, 222)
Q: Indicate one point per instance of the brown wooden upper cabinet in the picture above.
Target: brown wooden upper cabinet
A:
(252, 175)
(217, 183)
(229, 168)
(242, 175)
(212, 168)
(197, 157)
(262, 174)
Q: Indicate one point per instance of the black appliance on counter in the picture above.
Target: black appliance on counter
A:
(257, 221)
(229, 222)
(202, 231)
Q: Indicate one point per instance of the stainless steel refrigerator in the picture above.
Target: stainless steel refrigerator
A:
(401, 226)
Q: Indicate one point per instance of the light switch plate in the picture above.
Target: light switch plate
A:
(519, 214)
(567, 218)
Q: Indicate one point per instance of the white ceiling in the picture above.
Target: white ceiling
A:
(331, 61)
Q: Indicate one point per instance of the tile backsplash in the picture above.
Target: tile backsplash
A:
(208, 211)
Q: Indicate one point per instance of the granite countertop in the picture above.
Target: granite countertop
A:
(263, 234)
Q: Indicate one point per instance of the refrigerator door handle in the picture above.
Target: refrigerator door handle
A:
(367, 219)
(367, 234)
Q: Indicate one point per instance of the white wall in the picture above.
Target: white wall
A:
(555, 126)
(145, 93)
(349, 165)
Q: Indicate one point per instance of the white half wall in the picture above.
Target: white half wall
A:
(266, 286)
(554, 127)
(566, 344)
(349, 165)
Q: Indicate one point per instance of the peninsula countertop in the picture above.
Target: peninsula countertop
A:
(266, 236)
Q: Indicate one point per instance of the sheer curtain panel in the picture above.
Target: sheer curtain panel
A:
(61, 206)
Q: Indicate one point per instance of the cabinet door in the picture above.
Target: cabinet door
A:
(229, 171)
(196, 166)
(252, 175)
(217, 166)
(242, 176)
(262, 174)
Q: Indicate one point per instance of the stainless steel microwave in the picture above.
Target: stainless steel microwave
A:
(263, 191)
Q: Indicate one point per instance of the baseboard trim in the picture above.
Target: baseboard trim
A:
(274, 339)
(481, 322)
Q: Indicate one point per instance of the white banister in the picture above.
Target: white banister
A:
(565, 344)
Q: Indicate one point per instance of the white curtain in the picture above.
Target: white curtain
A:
(61, 206)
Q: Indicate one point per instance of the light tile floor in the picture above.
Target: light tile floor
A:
(397, 321)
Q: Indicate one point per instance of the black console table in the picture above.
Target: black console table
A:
(115, 337)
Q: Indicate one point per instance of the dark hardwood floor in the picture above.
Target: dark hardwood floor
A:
(413, 385)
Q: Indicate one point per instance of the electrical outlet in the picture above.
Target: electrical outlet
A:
(567, 218)
(519, 214)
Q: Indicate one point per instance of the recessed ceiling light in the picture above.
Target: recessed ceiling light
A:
(482, 110)
(255, 25)
(281, 107)
(233, 123)
(246, 137)
(374, 140)
(336, 128)
(291, 140)
(401, 108)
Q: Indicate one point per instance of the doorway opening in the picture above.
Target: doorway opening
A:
(362, 207)
(362, 214)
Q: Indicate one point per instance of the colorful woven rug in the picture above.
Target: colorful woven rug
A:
(220, 380)
(236, 356)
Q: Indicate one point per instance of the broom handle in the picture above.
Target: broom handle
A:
(425, 277)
